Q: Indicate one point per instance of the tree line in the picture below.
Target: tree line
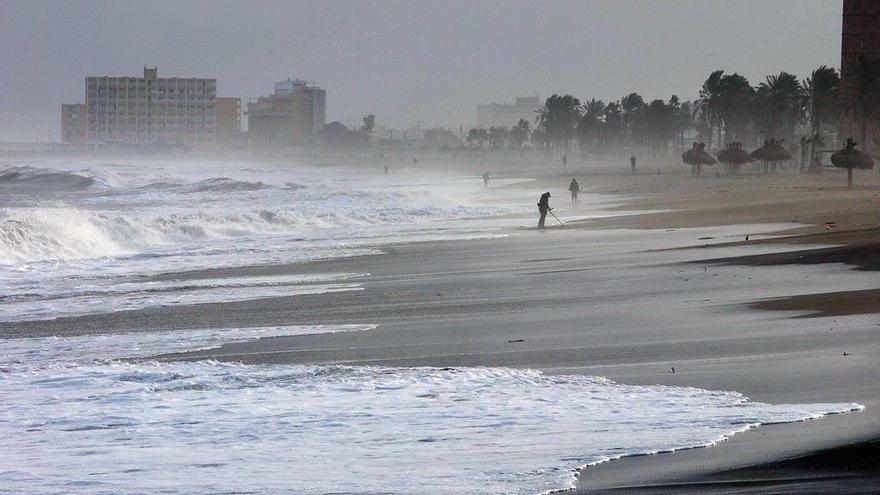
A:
(729, 109)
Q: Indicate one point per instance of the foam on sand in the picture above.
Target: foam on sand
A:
(80, 424)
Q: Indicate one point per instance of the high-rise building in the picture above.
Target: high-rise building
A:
(73, 123)
(860, 36)
(860, 33)
(228, 121)
(150, 111)
(507, 114)
(294, 112)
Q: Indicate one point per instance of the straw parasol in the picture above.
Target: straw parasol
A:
(696, 157)
(850, 158)
(733, 156)
(771, 152)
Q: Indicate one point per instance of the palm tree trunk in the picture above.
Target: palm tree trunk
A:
(849, 177)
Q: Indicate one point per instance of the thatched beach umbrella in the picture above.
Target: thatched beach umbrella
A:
(771, 152)
(696, 157)
(850, 158)
(733, 156)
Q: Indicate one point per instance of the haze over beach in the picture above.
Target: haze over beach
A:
(455, 247)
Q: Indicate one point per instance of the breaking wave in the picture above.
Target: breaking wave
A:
(42, 179)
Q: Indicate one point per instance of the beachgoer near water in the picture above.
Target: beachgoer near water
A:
(543, 208)
(486, 178)
(632, 163)
(386, 169)
(564, 161)
(574, 187)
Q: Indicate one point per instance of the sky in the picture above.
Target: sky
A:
(405, 61)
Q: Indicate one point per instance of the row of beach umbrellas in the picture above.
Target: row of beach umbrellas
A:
(770, 154)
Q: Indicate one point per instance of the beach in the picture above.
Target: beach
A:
(661, 288)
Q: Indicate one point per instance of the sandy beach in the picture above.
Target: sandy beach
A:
(666, 291)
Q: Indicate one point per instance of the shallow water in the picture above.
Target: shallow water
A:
(74, 422)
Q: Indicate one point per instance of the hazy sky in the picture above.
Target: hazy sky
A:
(405, 61)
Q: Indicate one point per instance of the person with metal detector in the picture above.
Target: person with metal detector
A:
(543, 208)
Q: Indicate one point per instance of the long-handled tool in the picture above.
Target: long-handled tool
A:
(557, 218)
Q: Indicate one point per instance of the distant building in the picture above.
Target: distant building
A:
(228, 114)
(73, 123)
(150, 111)
(860, 35)
(296, 111)
(507, 114)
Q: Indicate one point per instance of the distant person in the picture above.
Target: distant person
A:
(486, 178)
(386, 169)
(574, 187)
(564, 161)
(632, 163)
(415, 161)
(543, 208)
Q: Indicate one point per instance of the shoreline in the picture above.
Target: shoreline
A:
(461, 303)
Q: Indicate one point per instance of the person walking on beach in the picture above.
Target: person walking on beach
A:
(543, 208)
(486, 178)
(632, 163)
(386, 169)
(574, 187)
(564, 161)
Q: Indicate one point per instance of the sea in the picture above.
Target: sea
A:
(99, 414)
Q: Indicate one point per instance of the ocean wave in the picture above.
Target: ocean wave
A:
(225, 184)
(43, 179)
(35, 234)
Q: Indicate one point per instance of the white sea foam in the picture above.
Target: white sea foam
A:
(66, 227)
(74, 423)
(102, 297)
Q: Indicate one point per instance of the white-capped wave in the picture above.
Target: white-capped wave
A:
(34, 180)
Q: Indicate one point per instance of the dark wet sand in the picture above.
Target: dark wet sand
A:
(556, 301)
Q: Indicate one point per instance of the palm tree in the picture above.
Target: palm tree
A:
(519, 134)
(590, 125)
(559, 117)
(633, 110)
(734, 104)
(711, 102)
(822, 91)
(861, 94)
(613, 128)
(781, 99)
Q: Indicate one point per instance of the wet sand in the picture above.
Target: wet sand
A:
(604, 297)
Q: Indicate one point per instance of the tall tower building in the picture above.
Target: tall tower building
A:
(860, 33)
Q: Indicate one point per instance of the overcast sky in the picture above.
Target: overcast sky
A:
(405, 61)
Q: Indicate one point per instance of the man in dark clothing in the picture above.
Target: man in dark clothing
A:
(486, 178)
(564, 161)
(632, 163)
(543, 208)
(574, 187)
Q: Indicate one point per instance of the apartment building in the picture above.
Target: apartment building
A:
(296, 111)
(150, 111)
(73, 123)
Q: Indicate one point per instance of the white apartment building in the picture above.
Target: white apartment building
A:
(150, 111)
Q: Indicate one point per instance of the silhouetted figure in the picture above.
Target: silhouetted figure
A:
(574, 187)
(632, 163)
(543, 208)
(415, 161)
(850, 144)
(486, 178)
(564, 161)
